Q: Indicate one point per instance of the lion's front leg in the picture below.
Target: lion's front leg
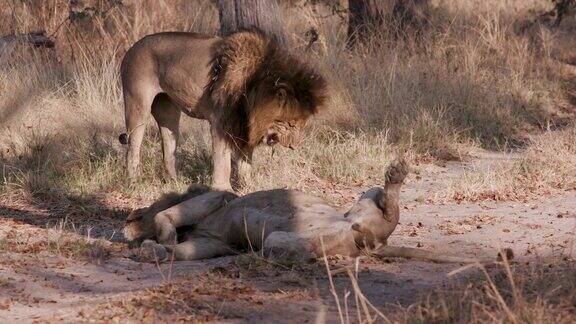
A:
(286, 246)
(243, 168)
(221, 160)
(189, 212)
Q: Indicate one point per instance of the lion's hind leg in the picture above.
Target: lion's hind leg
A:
(167, 116)
(198, 248)
(137, 105)
(287, 246)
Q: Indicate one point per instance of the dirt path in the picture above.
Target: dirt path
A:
(56, 282)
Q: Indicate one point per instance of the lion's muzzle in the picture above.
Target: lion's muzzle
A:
(272, 139)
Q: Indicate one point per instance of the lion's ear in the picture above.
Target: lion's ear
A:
(282, 96)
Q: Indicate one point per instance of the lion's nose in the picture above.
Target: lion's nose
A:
(272, 139)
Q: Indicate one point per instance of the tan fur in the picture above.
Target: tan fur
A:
(140, 224)
(285, 223)
(248, 88)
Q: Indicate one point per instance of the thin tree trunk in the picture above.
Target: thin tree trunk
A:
(36, 39)
(562, 7)
(363, 17)
(404, 17)
(246, 14)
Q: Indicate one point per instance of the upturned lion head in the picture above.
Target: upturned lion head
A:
(261, 93)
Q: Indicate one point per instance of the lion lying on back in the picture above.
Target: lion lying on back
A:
(284, 223)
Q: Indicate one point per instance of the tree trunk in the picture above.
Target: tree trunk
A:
(246, 14)
(363, 17)
(562, 7)
(368, 16)
(35, 39)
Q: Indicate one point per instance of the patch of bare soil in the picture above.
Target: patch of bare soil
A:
(52, 275)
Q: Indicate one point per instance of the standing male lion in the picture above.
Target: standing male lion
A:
(249, 89)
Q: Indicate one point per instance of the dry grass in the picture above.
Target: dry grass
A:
(547, 165)
(57, 240)
(539, 292)
(219, 294)
(542, 291)
(469, 80)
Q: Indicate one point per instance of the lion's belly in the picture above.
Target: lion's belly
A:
(185, 91)
(249, 228)
(190, 105)
(250, 219)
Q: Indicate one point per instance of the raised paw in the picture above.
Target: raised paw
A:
(397, 171)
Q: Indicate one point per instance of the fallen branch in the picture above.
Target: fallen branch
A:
(36, 39)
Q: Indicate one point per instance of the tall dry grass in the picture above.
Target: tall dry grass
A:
(469, 80)
(541, 292)
(548, 164)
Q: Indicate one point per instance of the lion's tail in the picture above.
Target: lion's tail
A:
(414, 253)
(389, 251)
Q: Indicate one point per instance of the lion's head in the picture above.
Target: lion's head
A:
(138, 226)
(261, 93)
(286, 133)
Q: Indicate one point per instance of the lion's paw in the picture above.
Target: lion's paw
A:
(149, 251)
(397, 171)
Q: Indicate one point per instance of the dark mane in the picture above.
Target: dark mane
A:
(249, 62)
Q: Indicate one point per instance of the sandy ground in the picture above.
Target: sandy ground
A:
(46, 285)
